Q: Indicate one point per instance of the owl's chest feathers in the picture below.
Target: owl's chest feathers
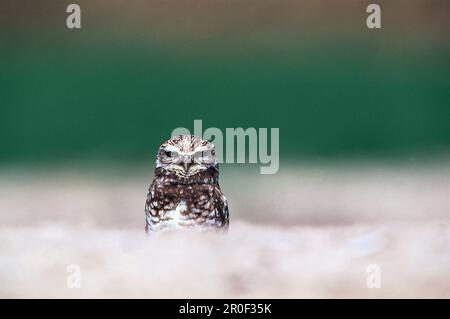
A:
(180, 205)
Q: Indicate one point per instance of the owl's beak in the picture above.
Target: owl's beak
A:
(187, 162)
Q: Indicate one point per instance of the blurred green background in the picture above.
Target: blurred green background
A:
(138, 69)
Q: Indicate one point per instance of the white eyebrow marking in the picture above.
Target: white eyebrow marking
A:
(171, 148)
(198, 149)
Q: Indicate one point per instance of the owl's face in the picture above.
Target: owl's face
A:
(186, 156)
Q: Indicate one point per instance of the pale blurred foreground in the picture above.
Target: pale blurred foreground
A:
(305, 232)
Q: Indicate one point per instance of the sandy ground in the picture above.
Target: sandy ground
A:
(305, 232)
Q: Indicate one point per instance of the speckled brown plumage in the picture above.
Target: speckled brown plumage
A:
(185, 192)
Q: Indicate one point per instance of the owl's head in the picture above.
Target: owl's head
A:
(186, 156)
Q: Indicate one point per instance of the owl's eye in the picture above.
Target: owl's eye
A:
(208, 157)
(167, 156)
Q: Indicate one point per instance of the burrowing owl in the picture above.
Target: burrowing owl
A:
(185, 191)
